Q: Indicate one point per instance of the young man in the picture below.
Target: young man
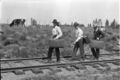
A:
(78, 43)
(56, 34)
(98, 34)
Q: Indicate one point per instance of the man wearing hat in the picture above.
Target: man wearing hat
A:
(78, 43)
(98, 34)
(56, 34)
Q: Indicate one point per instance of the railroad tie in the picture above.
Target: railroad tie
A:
(81, 66)
(68, 68)
(17, 72)
(116, 63)
(112, 66)
(75, 66)
(37, 70)
(55, 69)
(102, 64)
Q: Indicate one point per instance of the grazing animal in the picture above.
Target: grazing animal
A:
(17, 22)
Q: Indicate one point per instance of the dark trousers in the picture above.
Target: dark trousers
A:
(57, 53)
(95, 52)
(79, 45)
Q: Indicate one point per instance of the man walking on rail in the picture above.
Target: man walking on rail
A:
(78, 43)
(98, 34)
(56, 34)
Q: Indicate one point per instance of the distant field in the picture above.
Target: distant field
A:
(33, 41)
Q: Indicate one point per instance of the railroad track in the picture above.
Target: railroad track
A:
(37, 58)
(13, 65)
(38, 65)
(57, 64)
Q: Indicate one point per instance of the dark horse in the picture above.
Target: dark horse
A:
(17, 22)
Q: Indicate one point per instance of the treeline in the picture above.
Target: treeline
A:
(113, 24)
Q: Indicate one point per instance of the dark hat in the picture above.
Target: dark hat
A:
(55, 22)
(75, 24)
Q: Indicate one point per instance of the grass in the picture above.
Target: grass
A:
(33, 42)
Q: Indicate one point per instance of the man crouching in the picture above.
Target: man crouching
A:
(78, 43)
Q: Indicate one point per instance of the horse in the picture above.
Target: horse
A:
(17, 22)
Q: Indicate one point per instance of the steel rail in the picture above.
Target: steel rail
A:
(37, 58)
(56, 64)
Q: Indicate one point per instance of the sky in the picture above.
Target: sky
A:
(65, 11)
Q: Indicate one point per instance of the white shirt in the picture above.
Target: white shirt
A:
(99, 23)
(57, 31)
(79, 34)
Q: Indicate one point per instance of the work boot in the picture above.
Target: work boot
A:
(82, 59)
(97, 58)
(49, 61)
(58, 61)
(93, 58)
(72, 59)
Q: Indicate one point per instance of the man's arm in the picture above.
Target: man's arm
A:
(80, 34)
(102, 35)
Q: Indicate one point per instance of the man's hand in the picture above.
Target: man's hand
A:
(74, 43)
(98, 38)
(55, 38)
